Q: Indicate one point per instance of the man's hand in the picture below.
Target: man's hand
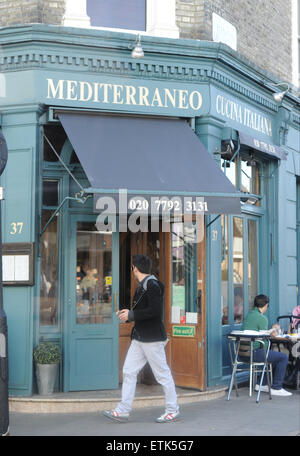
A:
(123, 314)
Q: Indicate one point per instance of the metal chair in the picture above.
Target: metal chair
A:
(242, 360)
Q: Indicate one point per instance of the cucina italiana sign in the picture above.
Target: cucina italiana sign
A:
(238, 113)
(133, 94)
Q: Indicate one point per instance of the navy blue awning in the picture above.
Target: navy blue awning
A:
(148, 156)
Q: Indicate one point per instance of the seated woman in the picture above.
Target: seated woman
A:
(296, 321)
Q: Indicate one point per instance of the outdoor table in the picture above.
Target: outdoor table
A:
(236, 337)
(287, 341)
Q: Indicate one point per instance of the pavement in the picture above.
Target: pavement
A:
(240, 416)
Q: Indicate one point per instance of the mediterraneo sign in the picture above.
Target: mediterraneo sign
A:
(126, 94)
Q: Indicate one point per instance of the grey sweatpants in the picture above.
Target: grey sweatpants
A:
(137, 356)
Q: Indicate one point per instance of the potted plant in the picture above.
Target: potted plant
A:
(47, 356)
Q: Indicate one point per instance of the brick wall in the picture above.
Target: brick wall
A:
(263, 29)
(15, 12)
(190, 18)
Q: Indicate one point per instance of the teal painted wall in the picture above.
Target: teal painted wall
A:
(209, 131)
(19, 182)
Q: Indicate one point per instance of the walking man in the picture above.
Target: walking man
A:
(148, 341)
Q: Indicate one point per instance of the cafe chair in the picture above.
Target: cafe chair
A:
(241, 356)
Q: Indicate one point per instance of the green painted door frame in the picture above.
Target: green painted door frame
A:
(232, 284)
(91, 350)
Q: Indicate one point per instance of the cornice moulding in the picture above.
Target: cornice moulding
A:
(40, 46)
(110, 40)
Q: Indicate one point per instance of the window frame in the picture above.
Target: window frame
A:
(43, 329)
(237, 162)
(227, 228)
(160, 18)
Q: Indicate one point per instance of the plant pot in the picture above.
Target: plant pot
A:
(46, 376)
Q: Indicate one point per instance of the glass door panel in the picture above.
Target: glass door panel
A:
(252, 262)
(238, 270)
(184, 272)
(94, 275)
(224, 271)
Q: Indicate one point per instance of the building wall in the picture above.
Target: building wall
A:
(267, 43)
(285, 260)
(190, 19)
(15, 12)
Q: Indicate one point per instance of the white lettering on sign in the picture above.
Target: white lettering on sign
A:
(235, 111)
(99, 92)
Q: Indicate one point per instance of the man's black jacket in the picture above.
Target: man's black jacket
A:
(147, 312)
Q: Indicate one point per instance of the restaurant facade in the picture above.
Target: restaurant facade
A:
(183, 155)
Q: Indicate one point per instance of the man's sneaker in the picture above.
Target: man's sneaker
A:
(281, 392)
(116, 416)
(168, 417)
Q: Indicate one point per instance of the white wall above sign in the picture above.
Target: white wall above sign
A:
(224, 32)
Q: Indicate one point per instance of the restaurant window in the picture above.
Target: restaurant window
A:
(50, 193)
(250, 177)
(94, 278)
(298, 238)
(239, 267)
(244, 172)
(184, 271)
(49, 256)
(238, 270)
(56, 138)
(129, 15)
(224, 271)
(252, 266)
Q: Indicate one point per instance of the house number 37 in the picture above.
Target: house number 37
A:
(16, 228)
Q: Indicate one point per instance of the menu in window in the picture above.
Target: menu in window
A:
(15, 268)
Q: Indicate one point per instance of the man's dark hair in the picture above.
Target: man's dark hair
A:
(261, 300)
(143, 263)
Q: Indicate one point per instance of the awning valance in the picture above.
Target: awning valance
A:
(148, 156)
(263, 146)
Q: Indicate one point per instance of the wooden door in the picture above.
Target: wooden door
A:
(187, 339)
(130, 245)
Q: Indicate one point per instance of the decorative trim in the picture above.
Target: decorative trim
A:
(296, 120)
(109, 65)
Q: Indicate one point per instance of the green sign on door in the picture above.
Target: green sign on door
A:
(184, 331)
